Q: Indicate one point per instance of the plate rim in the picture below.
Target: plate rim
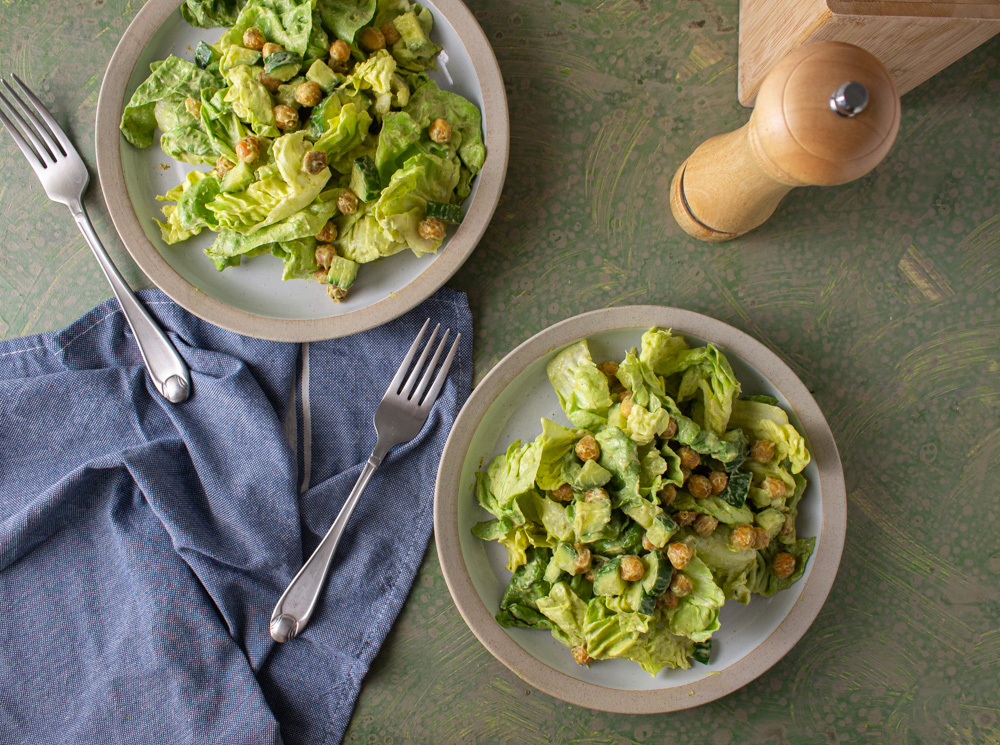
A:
(110, 171)
(793, 626)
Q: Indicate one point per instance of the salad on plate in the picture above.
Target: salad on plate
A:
(329, 144)
(668, 495)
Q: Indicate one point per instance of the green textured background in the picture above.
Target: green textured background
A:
(881, 294)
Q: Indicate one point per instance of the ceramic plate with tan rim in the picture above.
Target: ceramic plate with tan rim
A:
(252, 299)
(508, 404)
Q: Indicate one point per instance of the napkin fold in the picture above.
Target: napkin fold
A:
(143, 544)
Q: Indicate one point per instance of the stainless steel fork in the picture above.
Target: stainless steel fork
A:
(64, 176)
(398, 419)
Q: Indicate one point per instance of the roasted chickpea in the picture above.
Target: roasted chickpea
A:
(689, 458)
(254, 39)
(371, 39)
(328, 234)
(286, 117)
(439, 131)
(324, 254)
(627, 404)
(646, 544)
(222, 166)
(609, 368)
(743, 537)
(583, 559)
(587, 448)
(685, 518)
(431, 229)
(784, 565)
(681, 585)
(335, 293)
(308, 93)
(597, 494)
(667, 495)
(271, 84)
(270, 48)
(763, 538)
(193, 107)
(313, 162)
(679, 554)
(699, 486)
(320, 275)
(390, 33)
(762, 451)
(685, 474)
(340, 52)
(347, 202)
(787, 531)
(581, 656)
(248, 149)
(719, 481)
(671, 429)
(631, 568)
(774, 487)
(705, 525)
(562, 493)
(666, 600)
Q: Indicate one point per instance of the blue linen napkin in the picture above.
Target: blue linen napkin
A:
(143, 545)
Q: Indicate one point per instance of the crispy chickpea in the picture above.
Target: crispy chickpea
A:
(308, 93)
(627, 404)
(774, 487)
(340, 52)
(679, 554)
(222, 166)
(705, 525)
(784, 565)
(597, 494)
(193, 107)
(590, 576)
(430, 228)
(439, 131)
(666, 600)
(609, 368)
(328, 234)
(684, 518)
(646, 545)
(325, 254)
(320, 275)
(286, 117)
(563, 493)
(313, 162)
(371, 39)
(667, 495)
(719, 481)
(583, 559)
(689, 458)
(335, 293)
(347, 202)
(254, 39)
(270, 83)
(681, 585)
(581, 656)
(762, 451)
(787, 531)
(699, 486)
(248, 149)
(631, 568)
(270, 48)
(671, 429)
(390, 33)
(588, 449)
(763, 538)
(743, 537)
(685, 474)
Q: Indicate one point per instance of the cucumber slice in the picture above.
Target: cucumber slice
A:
(364, 178)
(411, 31)
(239, 178)
(203, 55)
(321, 74)
(446, 212)
(608, 581)
(702, 651)
(283, 65)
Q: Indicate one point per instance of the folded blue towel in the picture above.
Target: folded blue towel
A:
(143, 545)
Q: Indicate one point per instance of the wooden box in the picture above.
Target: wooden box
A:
(915, 39)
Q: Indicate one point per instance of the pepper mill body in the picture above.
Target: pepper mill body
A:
(826, 114)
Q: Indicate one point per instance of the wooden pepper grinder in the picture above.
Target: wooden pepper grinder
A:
(826, 114)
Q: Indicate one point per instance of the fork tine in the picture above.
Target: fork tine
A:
(30, 154)
(414, 376)
(52, 126)
(442, 375)
(429, 372)
(404, 366)
(39, 157)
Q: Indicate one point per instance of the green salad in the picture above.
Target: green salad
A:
(329, 144)
(669, 495)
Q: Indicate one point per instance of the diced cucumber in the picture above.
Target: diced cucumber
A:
(203, 55)
(770, 520)
(450, 213)
(608, 581)
(283, 65)
(628, 542)
(660, 529)
(321, 74)
(239, 178)
(590, 519)
(237, 55)
(411, 31)
(364, 179)
(342, 273)
(286, 93)
(702, 651)
(658, 574)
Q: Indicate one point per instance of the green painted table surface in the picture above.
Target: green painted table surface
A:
(881, 294)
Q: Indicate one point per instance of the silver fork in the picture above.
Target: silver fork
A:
(64, 176)
(398, 419)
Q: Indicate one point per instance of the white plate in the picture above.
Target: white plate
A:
(252, 298)
(508, 405)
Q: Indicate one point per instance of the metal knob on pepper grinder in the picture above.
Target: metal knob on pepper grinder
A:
(826, 114)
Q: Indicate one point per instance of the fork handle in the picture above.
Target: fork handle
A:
(165, 365)
(297, 603)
